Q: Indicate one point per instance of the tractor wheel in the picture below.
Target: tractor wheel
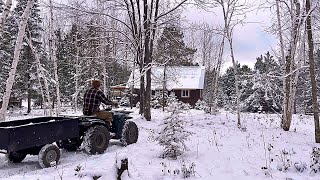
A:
(16, 157)
(69, 144)
(130, 133)
(49, 156)
(96, 139)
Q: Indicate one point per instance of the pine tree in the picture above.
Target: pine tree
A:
(265, 91)
(173, 133)
(303, 98)
(26, 69)
(172, 49)
(8, 37)
(65, 59)
(227, 81)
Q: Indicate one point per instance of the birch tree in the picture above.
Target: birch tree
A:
(53, 57)
(233, 14)
(289, 23)
(17, 51)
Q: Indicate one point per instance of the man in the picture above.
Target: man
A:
(92, 99)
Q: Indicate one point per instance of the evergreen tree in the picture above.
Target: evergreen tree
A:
(173, 133)
(227, 97)
(8, 37)
(65, 58)
(265, 91)
(303, 96)
(172, 49)
(26, 70)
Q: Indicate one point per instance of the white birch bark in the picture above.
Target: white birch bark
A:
(290, 66)
(77, 75)
(17, 51)
(47, 100)
(5, 14)
(53, 52)
(230, 8)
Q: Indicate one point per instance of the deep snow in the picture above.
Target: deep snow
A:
(218, 149)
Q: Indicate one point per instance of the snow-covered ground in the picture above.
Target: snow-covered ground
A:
(218, 149)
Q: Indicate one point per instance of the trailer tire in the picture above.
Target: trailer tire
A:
(49, 156)
(69, 144)
(96, 139)
(16, 157)
(130, 133)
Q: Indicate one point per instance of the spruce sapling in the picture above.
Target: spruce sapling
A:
(173, 134)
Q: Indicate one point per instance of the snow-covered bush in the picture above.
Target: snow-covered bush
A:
(188, 171)
(315, 160)
(285, 162)
(185, 171)
(201, 105)
(300, 166)
(173, 135)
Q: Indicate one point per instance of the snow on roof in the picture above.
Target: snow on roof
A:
(177, 77)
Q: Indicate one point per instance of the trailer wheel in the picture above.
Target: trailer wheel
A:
(49, 155)
(130, 133)
(69, 144)
(16, 157)
(96, 139)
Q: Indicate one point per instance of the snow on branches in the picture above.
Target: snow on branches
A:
(173, 134)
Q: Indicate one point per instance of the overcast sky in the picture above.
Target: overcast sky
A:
(250, 40)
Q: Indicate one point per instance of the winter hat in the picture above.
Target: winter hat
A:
(96, 83)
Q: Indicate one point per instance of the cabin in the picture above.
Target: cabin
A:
(186, 82)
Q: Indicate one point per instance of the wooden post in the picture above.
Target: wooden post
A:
(123, 167)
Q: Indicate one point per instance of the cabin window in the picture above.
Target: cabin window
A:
(185, 93)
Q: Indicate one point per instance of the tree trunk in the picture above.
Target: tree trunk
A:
(164, 88)
(147, 60)
(312, 74)
(235, 73)
(29, 98)
(17, 51)
(53, 56)
(216, 78)
(289, 81)
(77, 75)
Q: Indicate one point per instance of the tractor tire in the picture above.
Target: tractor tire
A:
(69, 144)
(130, 133)
(49, 156)
(96, 139)
(16, 157)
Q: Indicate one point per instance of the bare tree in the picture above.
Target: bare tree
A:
(291, 60)
(17, 51)
(53, 57)
(312, 72)
(233, 14)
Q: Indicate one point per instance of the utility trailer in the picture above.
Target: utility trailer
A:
(43, 136)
